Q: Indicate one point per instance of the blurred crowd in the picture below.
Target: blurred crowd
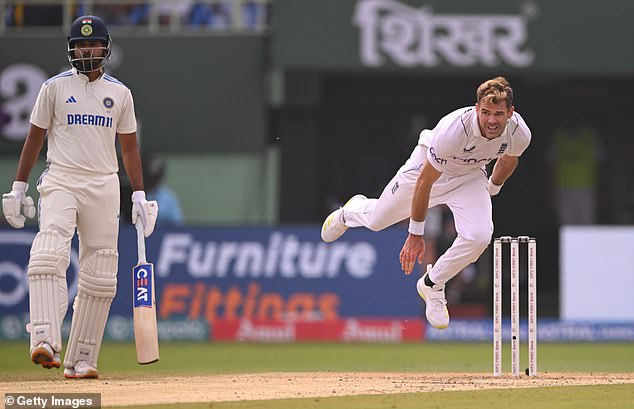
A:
(212, 15)
(154, 170)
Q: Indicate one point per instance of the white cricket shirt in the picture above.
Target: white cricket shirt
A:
(456, 145)
(82, 119)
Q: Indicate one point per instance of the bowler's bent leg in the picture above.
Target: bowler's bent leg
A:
(472, 211)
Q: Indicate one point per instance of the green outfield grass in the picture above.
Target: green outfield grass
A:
(118, 360)
(202, 358)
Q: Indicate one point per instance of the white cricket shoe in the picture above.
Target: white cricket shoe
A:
(44, 355)
(435, 303)
(81, 370)
(335, 224)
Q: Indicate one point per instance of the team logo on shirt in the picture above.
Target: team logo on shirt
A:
(502, 148)
(108, 102)
(395, 187)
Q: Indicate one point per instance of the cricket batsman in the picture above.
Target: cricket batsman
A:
(80, 112)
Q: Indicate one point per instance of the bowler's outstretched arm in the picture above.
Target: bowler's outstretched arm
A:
(414, 247)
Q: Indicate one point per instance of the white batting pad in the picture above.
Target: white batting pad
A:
(96, 290)
(48, 297)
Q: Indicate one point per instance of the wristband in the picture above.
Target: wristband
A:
(417, 228)
(492, 188)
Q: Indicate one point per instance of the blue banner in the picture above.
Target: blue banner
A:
(234, 273)
(548, 330)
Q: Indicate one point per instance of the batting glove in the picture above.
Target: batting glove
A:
(144, 212)
(17, 206)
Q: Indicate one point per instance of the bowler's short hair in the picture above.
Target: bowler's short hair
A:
(495, 91)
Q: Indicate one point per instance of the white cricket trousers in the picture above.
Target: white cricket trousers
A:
(73, 199)
(69, 200)
(466, 196)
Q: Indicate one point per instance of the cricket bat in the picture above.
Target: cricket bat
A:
(145, 329)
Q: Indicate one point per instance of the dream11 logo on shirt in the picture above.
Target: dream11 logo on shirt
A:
(410, 36)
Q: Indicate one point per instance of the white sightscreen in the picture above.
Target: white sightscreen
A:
(597, 273)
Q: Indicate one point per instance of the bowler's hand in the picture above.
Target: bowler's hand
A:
(17, 206)
(413, 250)
(144, 212)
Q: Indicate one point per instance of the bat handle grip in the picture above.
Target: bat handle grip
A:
(140, 240)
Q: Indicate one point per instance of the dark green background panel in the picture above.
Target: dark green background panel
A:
(191, 93)
(565, 36)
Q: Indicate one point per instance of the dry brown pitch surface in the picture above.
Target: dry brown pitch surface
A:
(160, 390)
